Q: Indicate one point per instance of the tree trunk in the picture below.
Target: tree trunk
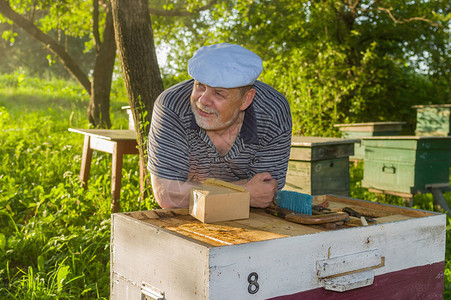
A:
(99, 102)
(134, 39)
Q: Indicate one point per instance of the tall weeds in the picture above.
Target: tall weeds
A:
(54, 234)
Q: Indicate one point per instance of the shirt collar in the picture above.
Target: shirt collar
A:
(248, 130)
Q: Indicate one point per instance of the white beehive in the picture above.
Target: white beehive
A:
(168, 254)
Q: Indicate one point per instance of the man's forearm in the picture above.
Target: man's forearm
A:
(175, 193)
(171, 193)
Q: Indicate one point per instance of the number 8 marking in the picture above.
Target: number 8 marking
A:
(253, 284)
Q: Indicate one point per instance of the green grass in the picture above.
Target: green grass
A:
(54, 234)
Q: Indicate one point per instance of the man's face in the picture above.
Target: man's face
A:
(215, 108)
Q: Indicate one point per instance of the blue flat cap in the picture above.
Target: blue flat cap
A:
(225, 65)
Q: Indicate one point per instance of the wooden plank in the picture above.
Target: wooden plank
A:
(309, 141)
(374, 124)
(316, 152)
(142, 252)
(103, 145)
(376, 207)
(407, 137)
(173, 221)
(128, 147)
(399, 194)
(372, 127)
(347, 264)
(261, 220)
(108, 134)
(260, 226)
(391, 218)
(225, 235)
(157, 213)
(210, 241)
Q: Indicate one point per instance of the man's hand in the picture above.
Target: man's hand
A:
(262, 188)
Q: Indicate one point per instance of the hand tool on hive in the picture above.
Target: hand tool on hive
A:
(297, 207)
(306, 219)
(354, 213)
(321, 208)
(294, 201)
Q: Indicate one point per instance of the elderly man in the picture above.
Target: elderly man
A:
(221, 124)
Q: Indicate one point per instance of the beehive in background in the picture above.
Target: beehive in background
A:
(319, 165)
(360, 130)
(406, 164)
(433, 120)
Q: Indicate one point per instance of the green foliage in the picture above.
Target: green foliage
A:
(67, 22)
(54, 234)
(335, 62)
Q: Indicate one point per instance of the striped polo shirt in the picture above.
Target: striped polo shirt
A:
(179, 150)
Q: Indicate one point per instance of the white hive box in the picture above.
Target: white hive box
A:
(168, 254)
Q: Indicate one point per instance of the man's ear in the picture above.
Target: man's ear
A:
(247, 99)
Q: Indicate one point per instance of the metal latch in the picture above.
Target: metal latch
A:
(149, 292)
(349, 272)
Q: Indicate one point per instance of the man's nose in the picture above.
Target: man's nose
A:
(206, 97)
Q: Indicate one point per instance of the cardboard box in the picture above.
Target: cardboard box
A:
(214, 203)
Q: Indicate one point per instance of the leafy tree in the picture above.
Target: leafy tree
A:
(45, 19)
(337, 60)
(23, 53)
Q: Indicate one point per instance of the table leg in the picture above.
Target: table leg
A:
(440, 200)
(86, 161)
(116, 176)
(408, 201)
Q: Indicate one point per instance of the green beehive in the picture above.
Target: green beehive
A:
(360, 130)
(319, 165)
(406, 164)
(433, 120)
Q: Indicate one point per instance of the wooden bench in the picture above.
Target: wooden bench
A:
(115, 142)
